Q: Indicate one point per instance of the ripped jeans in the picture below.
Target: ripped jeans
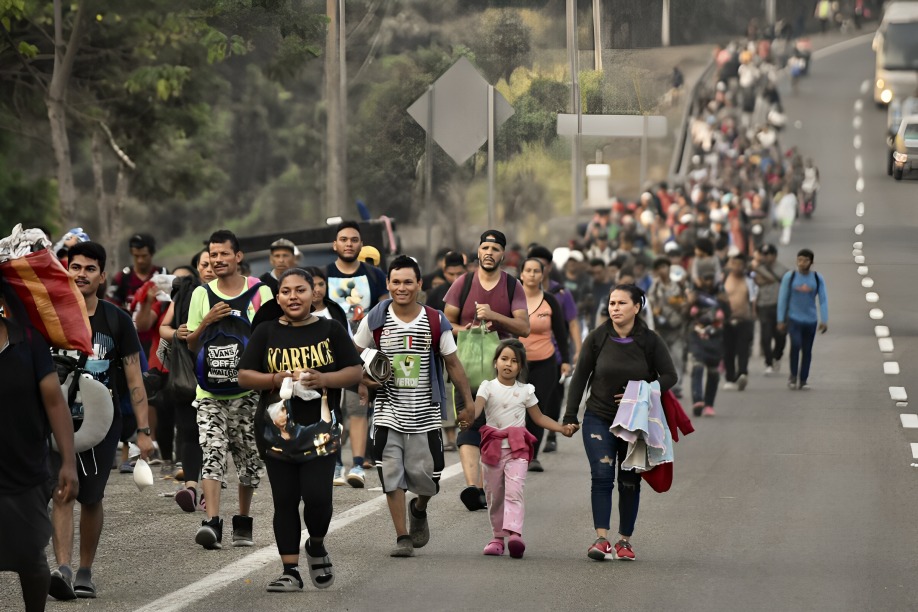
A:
(605, 452)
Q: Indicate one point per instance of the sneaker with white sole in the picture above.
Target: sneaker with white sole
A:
(601, 550)
(623, 551)
(741, 382)
(769, 370)
(210, 534)
(339, 480)
(356, 477)
(730, 386)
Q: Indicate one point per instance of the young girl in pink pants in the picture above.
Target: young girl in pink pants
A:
(506, 446)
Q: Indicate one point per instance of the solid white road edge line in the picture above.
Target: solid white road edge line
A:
(249, 564)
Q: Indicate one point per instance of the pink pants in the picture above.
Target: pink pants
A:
(504, 488)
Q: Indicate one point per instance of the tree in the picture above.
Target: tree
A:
(503, 45)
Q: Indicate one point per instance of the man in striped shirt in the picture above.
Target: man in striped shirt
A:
(406, 432)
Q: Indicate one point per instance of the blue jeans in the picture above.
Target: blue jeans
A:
(704, 390)
(802, 336)
(604, 452)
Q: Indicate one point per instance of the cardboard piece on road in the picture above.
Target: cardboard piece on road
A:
(460, 112)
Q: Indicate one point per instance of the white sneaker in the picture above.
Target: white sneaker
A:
(777, 366)
(769, 371)
(730, 386)
(339, 480)
(741, 382)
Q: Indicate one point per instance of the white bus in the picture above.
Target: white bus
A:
(896, 47)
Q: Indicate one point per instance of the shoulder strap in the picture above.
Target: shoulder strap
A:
(511, 290)
(790, 287)
(466, 288)
(433, 319)
(818, 281)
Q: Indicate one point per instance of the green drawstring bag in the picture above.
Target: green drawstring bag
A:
(476, 352)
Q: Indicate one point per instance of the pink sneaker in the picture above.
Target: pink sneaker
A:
(516, 546)
(708, 411)
(495, 548)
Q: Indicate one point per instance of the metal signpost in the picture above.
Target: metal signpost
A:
(460, 112)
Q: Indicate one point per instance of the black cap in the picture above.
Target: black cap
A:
(540, 252)
(768, 249)
(494, 236)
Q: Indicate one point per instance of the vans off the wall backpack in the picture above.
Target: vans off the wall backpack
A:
(222, 344)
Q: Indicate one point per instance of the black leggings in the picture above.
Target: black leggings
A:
(189, 445)
(543, 375)
(291, 482)
(165, 427)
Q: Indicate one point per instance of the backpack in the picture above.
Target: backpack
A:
(467, 288)
(433, 320)
(222, 344)
(121, 288)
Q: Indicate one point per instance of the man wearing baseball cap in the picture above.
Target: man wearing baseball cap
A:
(767, 272)
(283, 256)
(492, 296)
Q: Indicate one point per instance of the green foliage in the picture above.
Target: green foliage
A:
(503, 43)
(30, 201)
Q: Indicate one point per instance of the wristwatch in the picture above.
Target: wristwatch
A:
(143, 430)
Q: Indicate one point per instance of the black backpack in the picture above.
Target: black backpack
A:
(222, 344)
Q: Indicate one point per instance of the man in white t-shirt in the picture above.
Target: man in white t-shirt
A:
(406, 429)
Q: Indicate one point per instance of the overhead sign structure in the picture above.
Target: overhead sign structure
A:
(621, 126)
(616, 126)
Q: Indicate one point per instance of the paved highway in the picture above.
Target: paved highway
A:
(785, 501)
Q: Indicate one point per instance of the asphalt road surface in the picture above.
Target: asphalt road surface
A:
(785, 500)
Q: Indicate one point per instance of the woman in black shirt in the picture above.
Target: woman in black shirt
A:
(620, 350)
(319, 353)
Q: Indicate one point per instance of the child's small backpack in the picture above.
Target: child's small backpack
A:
(222, 344)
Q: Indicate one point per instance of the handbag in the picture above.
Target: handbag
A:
(476, 347)
(294, 443)
(181, 384)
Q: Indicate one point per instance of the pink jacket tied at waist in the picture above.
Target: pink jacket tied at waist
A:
(521, 443)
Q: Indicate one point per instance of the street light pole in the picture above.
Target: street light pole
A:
(573, 51)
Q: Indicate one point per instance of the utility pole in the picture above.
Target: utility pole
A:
(335, 177)
(597, 35)
(664, 29)
(573, 51)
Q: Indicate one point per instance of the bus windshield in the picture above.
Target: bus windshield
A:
(900, 46)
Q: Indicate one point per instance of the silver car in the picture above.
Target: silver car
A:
(905, 148)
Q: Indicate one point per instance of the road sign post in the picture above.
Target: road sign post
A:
(464, 114)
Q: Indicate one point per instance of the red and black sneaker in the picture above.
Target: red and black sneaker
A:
(601, 550)
(623, 551)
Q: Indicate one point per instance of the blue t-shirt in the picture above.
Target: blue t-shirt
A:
(797, 298)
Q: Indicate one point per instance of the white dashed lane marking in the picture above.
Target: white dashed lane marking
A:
(891, 368)
(876, 314)
(859, 209)
(898, 394)
(866, 282)
(859, 229)
(862, 270)
(886, 345)
(909, 421)
(914, 450)
(873, 297)
(881, 331)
